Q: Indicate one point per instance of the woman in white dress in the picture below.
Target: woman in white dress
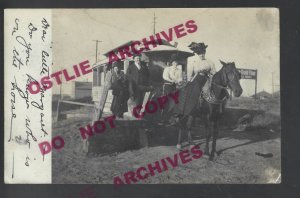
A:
(172, 75)
(200, 64)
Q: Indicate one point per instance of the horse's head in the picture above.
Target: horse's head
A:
(231, 76)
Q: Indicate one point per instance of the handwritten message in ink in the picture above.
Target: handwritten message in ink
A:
(27, 117)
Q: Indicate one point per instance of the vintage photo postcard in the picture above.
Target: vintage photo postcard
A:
(142, 96)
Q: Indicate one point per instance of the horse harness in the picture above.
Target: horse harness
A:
(210, 97)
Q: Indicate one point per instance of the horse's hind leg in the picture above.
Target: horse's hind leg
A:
(179, 139)
(189, 128)
(214, 143)
(190, 140)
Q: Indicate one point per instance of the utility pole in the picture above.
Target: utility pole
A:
(97, 41)
(60, 91)
(154, 23)
(272, 85)
(255, 96)
(98, 77)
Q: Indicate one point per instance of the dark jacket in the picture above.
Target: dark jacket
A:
(121, 94)
(138, 79)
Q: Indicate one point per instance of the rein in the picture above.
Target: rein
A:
(227, 82)
(220, 86)
(211, 97)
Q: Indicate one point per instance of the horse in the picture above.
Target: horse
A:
(212, 106)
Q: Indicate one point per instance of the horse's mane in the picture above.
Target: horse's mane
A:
(218, 86)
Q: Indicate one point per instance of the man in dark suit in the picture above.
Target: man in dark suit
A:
(138, 76)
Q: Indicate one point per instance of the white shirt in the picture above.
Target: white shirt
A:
(198, 65)
(173, 74)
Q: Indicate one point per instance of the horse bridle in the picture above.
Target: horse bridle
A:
(227, 82)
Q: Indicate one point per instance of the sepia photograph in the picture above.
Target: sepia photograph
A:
(143, 96)
(174, 96)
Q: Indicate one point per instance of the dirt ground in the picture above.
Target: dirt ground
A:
(236, 164)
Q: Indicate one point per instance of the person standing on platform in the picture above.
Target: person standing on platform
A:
(138, 76)
(120, 91)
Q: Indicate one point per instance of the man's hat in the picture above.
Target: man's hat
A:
(115, 64)
(198, 48)
(135, 55)
(174, 57)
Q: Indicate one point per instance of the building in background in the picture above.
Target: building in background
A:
(262, 95)
(156, 59)
(276, 94)
(81, 90)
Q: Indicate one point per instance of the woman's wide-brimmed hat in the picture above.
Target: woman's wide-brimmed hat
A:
(198, 48)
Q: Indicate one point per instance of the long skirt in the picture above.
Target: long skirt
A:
(119, 103)
(167, 88)
(188, 97)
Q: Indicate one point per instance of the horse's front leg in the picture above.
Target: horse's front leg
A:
(215, 137)
(208, 135)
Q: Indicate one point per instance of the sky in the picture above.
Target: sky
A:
(247, 36)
